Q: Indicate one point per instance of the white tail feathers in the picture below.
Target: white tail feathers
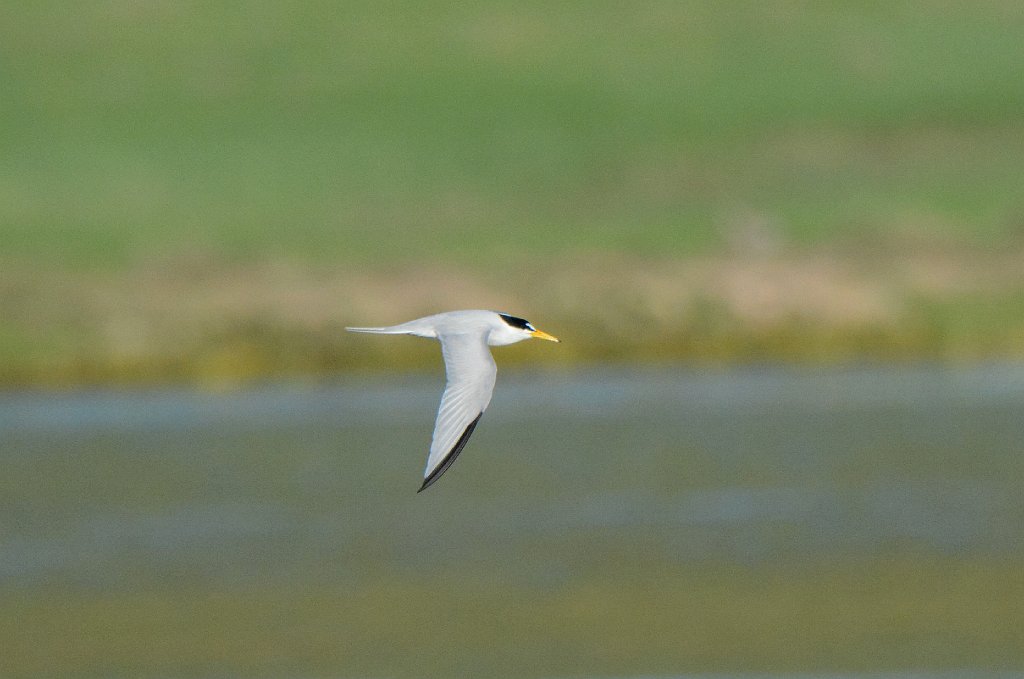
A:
(421, 327)
(392, 330)
(417, 327)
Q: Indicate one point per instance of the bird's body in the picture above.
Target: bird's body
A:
(465, 337)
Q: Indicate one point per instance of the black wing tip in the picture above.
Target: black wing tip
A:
(452, 454)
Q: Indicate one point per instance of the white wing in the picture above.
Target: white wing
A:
(471, 373)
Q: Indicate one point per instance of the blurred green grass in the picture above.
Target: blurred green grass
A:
(366, 132)
(490, 137)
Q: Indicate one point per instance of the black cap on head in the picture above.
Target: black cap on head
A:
(517, 322)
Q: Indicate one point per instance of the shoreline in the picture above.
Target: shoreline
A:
(170, 323)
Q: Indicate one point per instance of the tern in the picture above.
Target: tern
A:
(470, 371)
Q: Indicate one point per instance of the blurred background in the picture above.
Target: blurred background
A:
(783, 245)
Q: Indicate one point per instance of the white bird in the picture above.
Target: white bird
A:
(470, 369)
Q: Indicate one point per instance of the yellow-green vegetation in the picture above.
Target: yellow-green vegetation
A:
(927, 614)
(175, 320)
(209, 192)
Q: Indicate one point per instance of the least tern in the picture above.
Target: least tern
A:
(470, 370)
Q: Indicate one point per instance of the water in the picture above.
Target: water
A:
(617, 523)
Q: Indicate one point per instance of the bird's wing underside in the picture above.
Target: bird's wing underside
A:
(471, 372)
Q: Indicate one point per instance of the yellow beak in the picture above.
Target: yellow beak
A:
(540, 334)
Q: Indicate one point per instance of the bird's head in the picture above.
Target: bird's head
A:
(512, 329)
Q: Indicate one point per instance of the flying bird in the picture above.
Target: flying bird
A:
(470, 370)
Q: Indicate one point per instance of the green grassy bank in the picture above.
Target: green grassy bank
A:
(176, 182)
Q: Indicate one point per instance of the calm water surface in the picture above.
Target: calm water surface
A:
(635, 481)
